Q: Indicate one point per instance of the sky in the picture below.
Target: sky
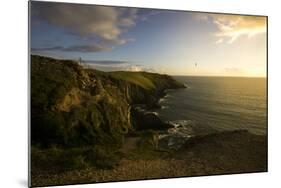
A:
(163, 41)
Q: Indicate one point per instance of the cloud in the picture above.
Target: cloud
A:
(234, 71)
(111, 65)
(75, 48)
(54, 48)
(231, 27)
(107, 63)
(135, 68)
(86, 48)
(200, 16)
(220, 40)
(107, 24)
(140, 68)
(145, 14)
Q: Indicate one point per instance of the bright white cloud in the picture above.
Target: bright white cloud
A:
(116, 66)
(219, 41)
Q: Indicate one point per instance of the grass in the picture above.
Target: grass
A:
(138, 78)
(220, 153)
(147, 147)
(149, 81)
(63, 159)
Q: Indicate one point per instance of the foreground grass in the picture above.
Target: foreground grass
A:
(221, 153)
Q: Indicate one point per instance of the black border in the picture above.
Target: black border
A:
(118, 6)
(29, 93)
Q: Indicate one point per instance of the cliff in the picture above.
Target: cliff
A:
(84, 121)
(73, 106)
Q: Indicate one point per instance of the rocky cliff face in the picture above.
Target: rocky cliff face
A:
(75, 106)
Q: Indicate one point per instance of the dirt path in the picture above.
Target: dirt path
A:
(130, 143)
(221, 153)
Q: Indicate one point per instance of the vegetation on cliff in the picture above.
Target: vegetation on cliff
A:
(73, 107)
(87, 126)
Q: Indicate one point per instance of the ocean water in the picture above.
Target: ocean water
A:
(211, 104)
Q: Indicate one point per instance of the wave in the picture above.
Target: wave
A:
(178, 123)
(149, 112)
(182, 128)
(162, 100)
(167, 96)
(164, 107)
(177, 136)
(187, 86)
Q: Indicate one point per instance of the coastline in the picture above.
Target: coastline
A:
(97, 134)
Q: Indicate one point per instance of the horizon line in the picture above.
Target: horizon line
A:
(219, 76)
(59, 58)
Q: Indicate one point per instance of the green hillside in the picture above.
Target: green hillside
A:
(146, 80)
(138, 78)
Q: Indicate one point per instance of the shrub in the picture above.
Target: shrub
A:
(149, 139)
(58, 158)
(102, 157)
(48, 129)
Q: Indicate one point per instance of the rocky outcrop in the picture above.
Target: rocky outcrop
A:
(148, 120)
(74, 106)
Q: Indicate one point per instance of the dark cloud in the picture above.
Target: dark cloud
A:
(86, 48)
(107, 62)
(106, 24)
(54, 48)
(76, 48)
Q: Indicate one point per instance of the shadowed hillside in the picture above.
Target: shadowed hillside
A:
(75, 107)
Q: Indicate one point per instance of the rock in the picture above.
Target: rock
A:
(148, 120)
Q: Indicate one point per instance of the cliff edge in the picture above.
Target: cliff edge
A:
(74, 106)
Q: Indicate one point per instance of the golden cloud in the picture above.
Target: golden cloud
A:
(231, 27)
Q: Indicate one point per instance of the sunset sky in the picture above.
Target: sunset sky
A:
(171, 42)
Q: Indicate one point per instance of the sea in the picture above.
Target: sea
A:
(212, 104)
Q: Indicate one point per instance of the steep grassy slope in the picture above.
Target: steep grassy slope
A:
(149, 81)
(138, 78)
(146, 88)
